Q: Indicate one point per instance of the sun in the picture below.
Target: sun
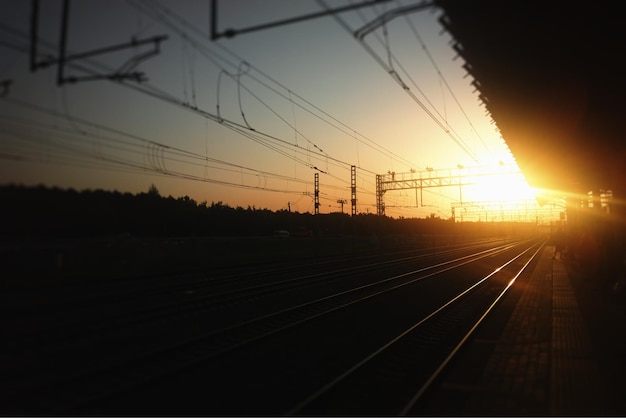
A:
(503, 188)
(497, 196)
(506, 187)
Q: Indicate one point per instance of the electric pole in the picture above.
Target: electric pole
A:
(342, 201)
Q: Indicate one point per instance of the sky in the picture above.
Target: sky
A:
(247, 120)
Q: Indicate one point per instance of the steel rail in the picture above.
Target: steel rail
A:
(175, 357)
(367, 361)
(69, 323)
(429, 382)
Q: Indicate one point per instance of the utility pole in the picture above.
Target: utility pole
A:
(342, 201)
(316, 183)
(353, 189)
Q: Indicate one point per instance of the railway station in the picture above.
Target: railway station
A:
(528, 324)
(547, 74)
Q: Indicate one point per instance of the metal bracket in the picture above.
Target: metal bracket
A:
(124, 72)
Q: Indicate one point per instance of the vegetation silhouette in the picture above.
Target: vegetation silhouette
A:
(91, 234)
(67, 213)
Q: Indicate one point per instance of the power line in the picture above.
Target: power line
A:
(204, 52)
(396, 77)
(125, 146)
(441, 76)
(153, 91)
(161, 10)
(158, 153)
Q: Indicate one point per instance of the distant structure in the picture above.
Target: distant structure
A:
(504, 211)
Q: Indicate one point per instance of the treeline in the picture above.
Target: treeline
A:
(55, 212)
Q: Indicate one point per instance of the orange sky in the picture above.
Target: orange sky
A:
(293, 100)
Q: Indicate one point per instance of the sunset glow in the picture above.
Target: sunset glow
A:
(249, 121)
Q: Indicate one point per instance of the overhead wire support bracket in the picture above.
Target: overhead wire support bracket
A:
(230, 33)
(389, 15)
(134, 42)
(124, 72)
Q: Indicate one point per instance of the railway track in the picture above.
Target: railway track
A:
(394, 378)
(54, 318)
(155, 358)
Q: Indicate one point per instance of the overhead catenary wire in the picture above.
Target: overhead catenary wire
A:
(128, 166)
(393, 61)
(162, 11)
(445, 81)
(158, 155)
(155, 150)
(153, 91)
(238, 126)
(396, 77)
(157, 163)
(212, 57)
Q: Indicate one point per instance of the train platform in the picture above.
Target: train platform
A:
(562, 352)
